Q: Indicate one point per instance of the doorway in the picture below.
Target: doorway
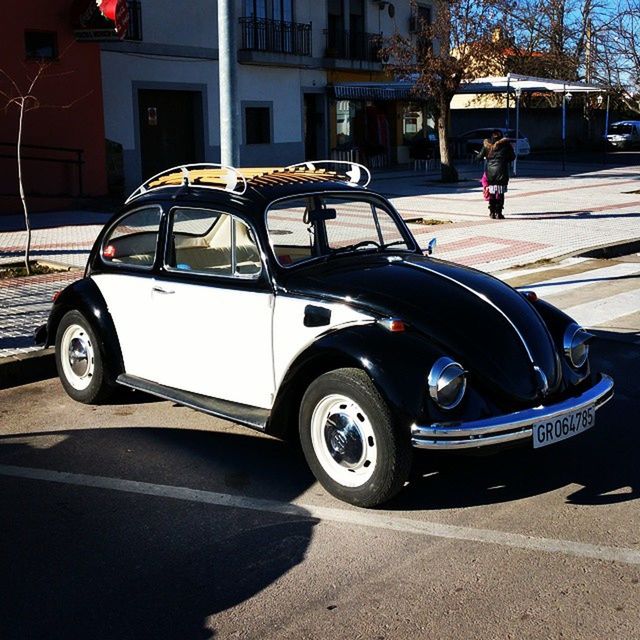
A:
(314, 131)
(171, 129)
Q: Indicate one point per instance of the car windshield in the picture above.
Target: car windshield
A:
(322, 226)
(620, 129)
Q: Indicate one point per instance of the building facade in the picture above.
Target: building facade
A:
(302, 77)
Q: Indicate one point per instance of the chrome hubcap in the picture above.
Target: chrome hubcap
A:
(343, 440)
(77, 356)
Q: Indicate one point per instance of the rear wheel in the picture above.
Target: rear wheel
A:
(350, 441)
(80, 361)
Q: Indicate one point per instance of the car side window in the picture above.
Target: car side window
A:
(213, 243)
(133, 240)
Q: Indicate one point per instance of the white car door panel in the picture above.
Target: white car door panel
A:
(215, 341)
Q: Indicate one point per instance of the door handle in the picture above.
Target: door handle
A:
(162, 290)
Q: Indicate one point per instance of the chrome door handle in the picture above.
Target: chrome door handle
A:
(162, 290)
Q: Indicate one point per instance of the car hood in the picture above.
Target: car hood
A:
(491, 329)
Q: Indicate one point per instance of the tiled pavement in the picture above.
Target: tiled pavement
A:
(547, 217)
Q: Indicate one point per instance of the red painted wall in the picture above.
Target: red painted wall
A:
(72, 81)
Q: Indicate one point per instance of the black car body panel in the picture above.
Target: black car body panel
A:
(84, 296)
(493, 330)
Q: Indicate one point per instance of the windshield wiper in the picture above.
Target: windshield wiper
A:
(392, 244)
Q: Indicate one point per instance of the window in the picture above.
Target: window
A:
(211, 242)
(270, 9)
(41, 45)
(318, 225)
(257, 122)
(134, 239)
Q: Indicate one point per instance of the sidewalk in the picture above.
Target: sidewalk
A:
(547, 217)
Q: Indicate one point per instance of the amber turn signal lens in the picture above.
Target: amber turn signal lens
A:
(531, 296)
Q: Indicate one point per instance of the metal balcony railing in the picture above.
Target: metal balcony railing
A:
(353, 45)
(276, 36)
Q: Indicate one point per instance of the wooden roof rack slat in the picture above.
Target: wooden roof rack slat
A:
(224, 178)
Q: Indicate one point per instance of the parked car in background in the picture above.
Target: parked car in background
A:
(471, 141)
(624, 134)
(295, 301)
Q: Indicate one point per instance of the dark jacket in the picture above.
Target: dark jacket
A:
(499, 155)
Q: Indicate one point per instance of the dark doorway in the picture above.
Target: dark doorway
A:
(313, 126)
(171, 129)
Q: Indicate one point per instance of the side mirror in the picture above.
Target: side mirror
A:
(431, 247)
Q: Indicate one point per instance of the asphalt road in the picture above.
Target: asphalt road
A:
(147, 520)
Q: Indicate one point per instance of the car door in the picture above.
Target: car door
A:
(128, 254)
(213, 306)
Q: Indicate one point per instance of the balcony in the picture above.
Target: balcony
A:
(275, 36)
(352, 45)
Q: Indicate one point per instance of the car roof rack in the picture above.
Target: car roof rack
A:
(207, 175)
(225, 178)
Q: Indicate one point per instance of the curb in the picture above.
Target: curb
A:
(27, 367)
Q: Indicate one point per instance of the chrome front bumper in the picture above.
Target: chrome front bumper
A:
(510, 427)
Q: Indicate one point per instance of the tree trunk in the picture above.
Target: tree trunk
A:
(27, 249)
(448, 172)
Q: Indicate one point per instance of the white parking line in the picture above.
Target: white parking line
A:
(598, 312)
(346, 516)
(555, 286)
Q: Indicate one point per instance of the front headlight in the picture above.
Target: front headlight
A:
(447, 383)
(576, 345)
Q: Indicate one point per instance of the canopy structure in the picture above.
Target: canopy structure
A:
(513, 83)
(517, 84)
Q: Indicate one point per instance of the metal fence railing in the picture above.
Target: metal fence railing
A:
(42, 153)
(276, 36)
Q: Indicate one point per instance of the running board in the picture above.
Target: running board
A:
(244, 414)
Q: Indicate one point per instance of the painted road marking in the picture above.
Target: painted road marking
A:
(555, 286)
(347, 516)
(604, 310)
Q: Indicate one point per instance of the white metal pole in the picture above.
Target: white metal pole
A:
(564, 127)
(227, 63)
(515, 162)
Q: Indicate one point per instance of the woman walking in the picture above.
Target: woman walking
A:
(499, 154)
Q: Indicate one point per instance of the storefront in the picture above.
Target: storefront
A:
(376, 124)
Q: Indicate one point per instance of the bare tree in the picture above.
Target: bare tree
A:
(26, 99)
(458, 45)
(617, 54)
(554, 38)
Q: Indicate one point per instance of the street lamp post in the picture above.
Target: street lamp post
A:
(518, 96)
(600, 100)
(566, 98)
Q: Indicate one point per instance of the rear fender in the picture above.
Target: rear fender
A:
(85, 297)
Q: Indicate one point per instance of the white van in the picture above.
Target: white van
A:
(624, 134)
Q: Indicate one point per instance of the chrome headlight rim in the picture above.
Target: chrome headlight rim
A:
(574, 337)
(442, 367)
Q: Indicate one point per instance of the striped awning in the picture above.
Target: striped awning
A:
(371, 91)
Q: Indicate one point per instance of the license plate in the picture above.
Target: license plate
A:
(564, 426)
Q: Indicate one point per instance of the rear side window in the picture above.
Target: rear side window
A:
(134, 239)
(213, 243)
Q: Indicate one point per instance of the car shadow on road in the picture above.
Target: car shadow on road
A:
(116, 563)
(602, 461)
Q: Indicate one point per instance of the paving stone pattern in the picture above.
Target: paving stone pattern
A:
(546, 217)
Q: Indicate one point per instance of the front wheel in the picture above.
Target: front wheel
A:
(80, 361)
(350, 441)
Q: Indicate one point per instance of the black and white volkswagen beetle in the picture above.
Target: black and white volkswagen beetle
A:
(296, 300)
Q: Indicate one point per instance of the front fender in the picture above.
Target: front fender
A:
(397, 363)
(85, 297)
